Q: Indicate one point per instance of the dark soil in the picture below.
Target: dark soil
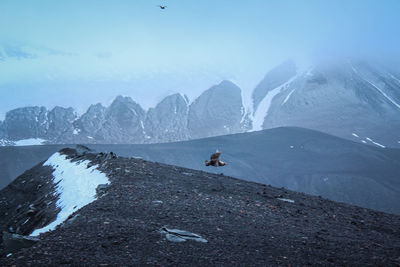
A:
(244, 223)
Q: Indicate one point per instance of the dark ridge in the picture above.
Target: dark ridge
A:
(243, 223)
(295, 158)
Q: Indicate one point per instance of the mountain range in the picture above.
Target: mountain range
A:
(217, 111)
(351, 99)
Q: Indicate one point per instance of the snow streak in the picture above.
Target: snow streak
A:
(384, 94)
(265, 104)
(287, 97)
(375, 143)
(377, 88)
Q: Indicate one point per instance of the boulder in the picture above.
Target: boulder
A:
(14, 242)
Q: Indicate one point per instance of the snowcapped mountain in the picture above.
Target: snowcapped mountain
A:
(347, 98)
(350, 99)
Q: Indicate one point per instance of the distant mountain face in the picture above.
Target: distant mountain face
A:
(350, 99)
(168, 121)
(24, 123)
(123, 122)
(37, 122)
(59, 121)
(217, 111)
(86, 126)
(2, 131)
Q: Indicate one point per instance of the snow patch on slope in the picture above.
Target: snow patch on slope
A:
(384, 94)
(375, 143)
(265, 104)
(394, 78)
(75, 186)
(30, 142)
(185, 98)
(376, 87)
(352, 67)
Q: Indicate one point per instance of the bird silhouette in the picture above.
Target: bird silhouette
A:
(162, 7)
(214, 160)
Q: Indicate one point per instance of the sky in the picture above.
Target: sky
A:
(76, 53)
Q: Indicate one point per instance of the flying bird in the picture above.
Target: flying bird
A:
(162, 7)
(214, 160)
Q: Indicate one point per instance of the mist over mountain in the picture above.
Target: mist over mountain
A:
(351, 99)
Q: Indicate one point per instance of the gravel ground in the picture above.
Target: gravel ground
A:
(244, 223)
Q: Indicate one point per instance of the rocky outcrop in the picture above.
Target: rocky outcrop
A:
(15, 242)
(217, 111)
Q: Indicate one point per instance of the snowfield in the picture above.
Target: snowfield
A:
(30, 142)
(76, 186)
(23, 142)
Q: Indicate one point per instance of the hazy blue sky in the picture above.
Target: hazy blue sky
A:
(74, 53)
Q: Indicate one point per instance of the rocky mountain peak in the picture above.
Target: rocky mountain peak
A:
(95, 110)
(168, 120)
(123, 99)
(177, 98)
(123, 122)
(125, 106)
(217, 111)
